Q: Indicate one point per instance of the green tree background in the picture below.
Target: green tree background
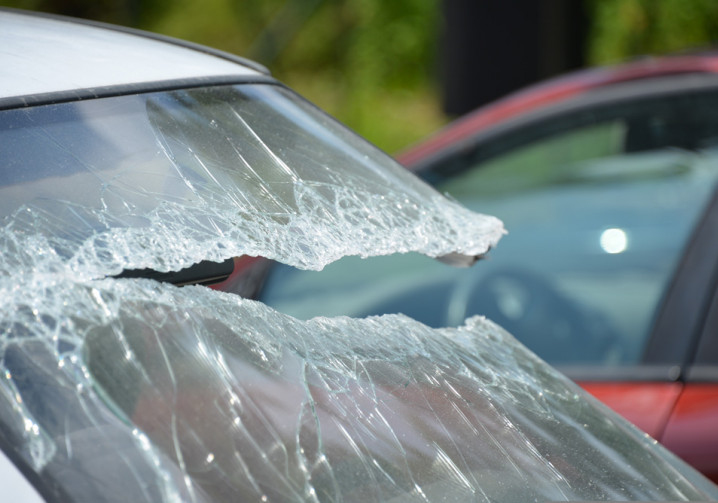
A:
(373, 63)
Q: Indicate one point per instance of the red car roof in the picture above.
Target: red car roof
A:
(556, 90)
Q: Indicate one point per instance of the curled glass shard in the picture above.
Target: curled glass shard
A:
(130, 389)
(166, 180)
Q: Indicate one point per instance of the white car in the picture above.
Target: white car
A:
(130, 165)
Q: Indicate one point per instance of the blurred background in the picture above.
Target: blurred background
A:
(398, 70)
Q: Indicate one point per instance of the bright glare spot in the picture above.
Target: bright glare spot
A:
(144, 441)
(614, 241)
(31, 427)
(210, 458)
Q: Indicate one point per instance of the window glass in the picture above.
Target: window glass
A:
(587, 259)
(539, 163)
(707, 352)
(147, 405)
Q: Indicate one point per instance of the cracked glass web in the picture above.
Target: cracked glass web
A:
(135, 390)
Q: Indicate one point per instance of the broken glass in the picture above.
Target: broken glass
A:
(132, 389)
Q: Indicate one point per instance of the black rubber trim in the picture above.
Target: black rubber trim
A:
(16, 102)
(686, 302)
(702, 374)
(202, 273)
(628, 373)
(146, 34)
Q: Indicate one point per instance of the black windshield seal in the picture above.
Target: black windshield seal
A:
(15, 102)
(202, 273)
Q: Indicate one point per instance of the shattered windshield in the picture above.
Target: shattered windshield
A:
(131, 389)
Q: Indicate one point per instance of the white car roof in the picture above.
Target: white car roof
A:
(42, 54)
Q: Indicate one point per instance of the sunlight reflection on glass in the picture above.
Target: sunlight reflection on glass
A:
(614, 241)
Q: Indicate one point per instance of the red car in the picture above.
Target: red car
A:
(605, 180)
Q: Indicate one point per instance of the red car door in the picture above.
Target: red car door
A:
(692, 430)
(683, 417)
(648, 405)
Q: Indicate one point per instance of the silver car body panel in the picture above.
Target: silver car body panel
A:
(40, 55)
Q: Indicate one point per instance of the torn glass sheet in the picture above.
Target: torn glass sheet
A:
(224, 399)
(133, 390)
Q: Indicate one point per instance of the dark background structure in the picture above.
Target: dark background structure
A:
(491, 48)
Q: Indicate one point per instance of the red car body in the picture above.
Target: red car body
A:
(684, 417)
(553, 91)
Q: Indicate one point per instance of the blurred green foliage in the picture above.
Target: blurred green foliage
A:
(372, 63)
(622, 29)
(367, 62)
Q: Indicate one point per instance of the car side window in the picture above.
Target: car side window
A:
(598, 210)
(541, 162)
